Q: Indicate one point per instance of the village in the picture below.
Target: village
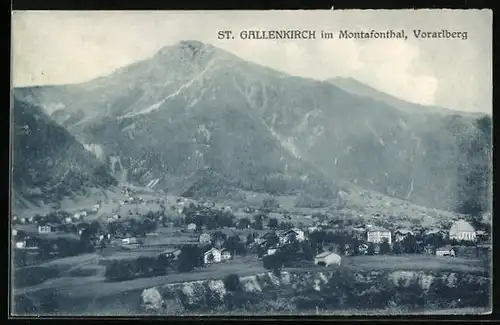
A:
(190, 236)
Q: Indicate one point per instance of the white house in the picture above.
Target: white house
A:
(205, 239)
(402, 234)
(21, 244)
(14, 232)
(191, 226)
(225, 255)
(377, 235)
(271, 251)
(445, 251)
(76, 216)
(83, 214)
(46, 229)
(462, 230)
(327, 258)
(130, 240)
(286, 236)
(213, 255)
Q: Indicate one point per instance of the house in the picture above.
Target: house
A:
(48, 228)
(14, 232)
(27, 243)
(377, 235)
(436, 232)
(286, 236)
(446, 251)
(313, 229)
(83, 214)
(462, 230)
(271, 251)
(327, 258)
(77, 216)
(191, 226)
(205, 238)
(402, 234)
(129, 241)
(213, 255)
(225, 255)
(21, 244)
(171, 253)
(429, 250)
(68, 220)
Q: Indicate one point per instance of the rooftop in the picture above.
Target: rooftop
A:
(461, 226)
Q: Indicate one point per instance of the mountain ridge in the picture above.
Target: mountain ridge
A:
(48, 163)
(187, 98)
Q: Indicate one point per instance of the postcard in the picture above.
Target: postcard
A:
(308, 162)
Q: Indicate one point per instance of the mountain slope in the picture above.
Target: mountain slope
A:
(194, 107)
(48, 163)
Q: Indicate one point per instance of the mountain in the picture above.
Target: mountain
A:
(48, 162)
(194, 113)
(358, 88)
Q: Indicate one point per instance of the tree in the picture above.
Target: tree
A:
(244, 223)
(258, 222)
(251, 238)
(385, 247)
(189, 258)
(409, 244)
(308, 251)
(232, 283)
(397, 248)
(270, 204)
(234, 245)
(371, 249)
(273, 223)
(273, 262)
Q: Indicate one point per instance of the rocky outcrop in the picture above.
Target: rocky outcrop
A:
(280, 293)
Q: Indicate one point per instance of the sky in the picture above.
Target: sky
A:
(59, 47)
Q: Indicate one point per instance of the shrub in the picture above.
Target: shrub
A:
(232, 283)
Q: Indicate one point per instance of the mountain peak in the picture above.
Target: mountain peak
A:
(187, 48)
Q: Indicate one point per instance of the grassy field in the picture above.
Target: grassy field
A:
(95, 286)
(413, 263)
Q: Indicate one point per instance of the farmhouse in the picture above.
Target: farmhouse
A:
(402, 234)
(377, 235)
(436, 232)
(327, 258)
(27, 243)
(172, 253)
(129, 241)
(462, 230)
(213, 255)
(225, 255)
(205, 238)
(286, 236)
(48, 228)
(191, 226)
(445, 251)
